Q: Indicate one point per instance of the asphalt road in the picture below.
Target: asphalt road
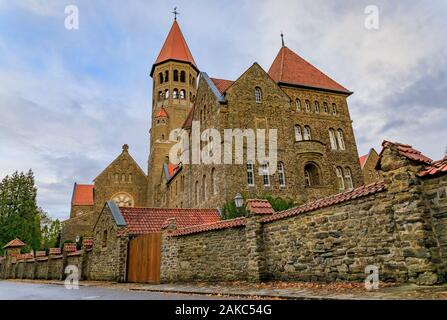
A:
(35, 291)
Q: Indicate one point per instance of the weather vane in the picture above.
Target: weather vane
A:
(175, 12)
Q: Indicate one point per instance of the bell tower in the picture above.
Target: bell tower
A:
(174, 77)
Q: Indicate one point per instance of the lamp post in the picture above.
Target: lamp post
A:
(238, 201)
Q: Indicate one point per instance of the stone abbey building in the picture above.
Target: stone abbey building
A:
(317, 152)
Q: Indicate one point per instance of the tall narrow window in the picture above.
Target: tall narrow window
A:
(182, 76)
(341, 181)
(307, 179)
(325, 107)
(104, 239)
(166, 75)
(265, 174)
(258, 95)
(311, 175)
(204, 113)
(204, 188)
(348, 179)
(317, 107)
(182, 94)
(130, 177)
(298, 105)
(160, 78)
(213, 181)
(298, 133)
(166, 94)
(250, 174)
(334, 109)
(281, 175)
(341, 140)
(333, 139)
(196, 192)
(160, 95)
(175, 94)
(307, 105)
(307, 133)
(175, 75)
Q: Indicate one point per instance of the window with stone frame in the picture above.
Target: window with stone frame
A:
(298, 133)
(104, 239)
(265, 175)
(175, 75)
(307, 133)
(281, 175)
(250, 174)
(341, 140)
(311, 175)
(325, 107)
(298, 105)
(334, 109)
(182, 94)
(166, 75)
(258, 95)
(175, 94)
(182, 76)
(341, 181)
(160, 78)
(333, 139)
(317, 107)
(348, 178)
(196, 192)
(166, 94)
(203, 188)
(213, 181)
(307, 102)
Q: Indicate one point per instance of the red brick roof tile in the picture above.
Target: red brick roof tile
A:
(16, 243)
(221, 84)
(54, 251)
(407, 151)
(328, 201)
(288, 67)
(175, 47)
(150, 220)
(437, 167)
(258, 206)
(225, 224)
(83, 195)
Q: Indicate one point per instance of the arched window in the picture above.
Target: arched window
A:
(258, 95)
(204, 113)
(175, 94)
(341, 140)
(166, 75)
(190, 79)
(307, 133)
(204, 188)
(196, 192)
(182, 94)
(194, 82)
(317, 107)
(123, 177)
(117, 177)
(333, 139)
(341, 181)
(162, 137)
(160, 95)
(298, 133)
(213, 181)
(166, 94)
(250, 174)
(307, 106)
(281, 175)
(348, 179)
(104, 239)
(298, 105)
(334, 109)
(325, 107)
(175, 75)
(160, 78)
(311, 175)
(182, 76)
(265, 174)
(130, 177)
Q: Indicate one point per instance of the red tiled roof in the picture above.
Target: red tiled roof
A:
(328, 201)
(225, 224)
(55, 251)
(221, 84)
(437, 167)
(362, 160)
(188, 122)
(161, 113)
(258, 206)
(175, 47)
(83, 195)
(14, 244)
(407, 151)
(69, 247)
(149, 220)
(288, 67)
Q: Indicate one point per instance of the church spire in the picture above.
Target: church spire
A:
(175, 47)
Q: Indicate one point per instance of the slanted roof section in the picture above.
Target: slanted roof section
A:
(290, 68)
(362, 160)
(151, 220)
(83, 195)
(219, 225)
(188, 121)
(407, 151)
(16, 243)
(161, 113)
(436, 168)
(259, 206)
(221, 84)
(175, 48)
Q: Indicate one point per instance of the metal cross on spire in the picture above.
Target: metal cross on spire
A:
(175, 12)
(282, 39)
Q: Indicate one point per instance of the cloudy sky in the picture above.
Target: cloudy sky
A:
(69, 99)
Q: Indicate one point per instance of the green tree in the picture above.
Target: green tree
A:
(50, 231)
(19, 214)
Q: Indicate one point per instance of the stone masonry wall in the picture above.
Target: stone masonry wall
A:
(210, 256)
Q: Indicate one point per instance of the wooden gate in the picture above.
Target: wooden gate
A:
(143, 260)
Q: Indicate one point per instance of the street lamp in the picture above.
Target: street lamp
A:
(238, 201)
